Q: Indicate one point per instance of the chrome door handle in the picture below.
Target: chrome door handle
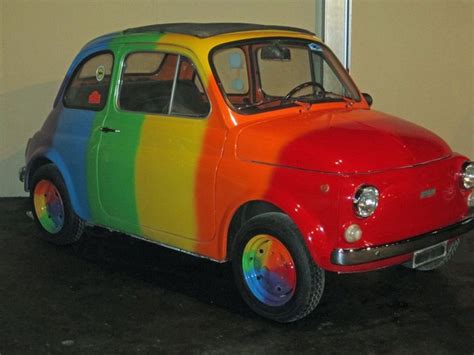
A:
(109, 130)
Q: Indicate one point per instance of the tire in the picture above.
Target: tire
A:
(294, 287)
(56, 220)
(451, 251)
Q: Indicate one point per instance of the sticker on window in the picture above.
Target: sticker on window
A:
(100, 73)
(94, 98)
(315, 47)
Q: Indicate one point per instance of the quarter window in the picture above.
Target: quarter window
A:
(232, 68)
(151, 84)
(89, 87)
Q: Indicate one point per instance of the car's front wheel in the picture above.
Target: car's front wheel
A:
(273, 270)
(52, 211)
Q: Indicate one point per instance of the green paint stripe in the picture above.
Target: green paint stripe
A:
(119, 199)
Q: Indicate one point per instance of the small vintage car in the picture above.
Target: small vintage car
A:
(244, 143)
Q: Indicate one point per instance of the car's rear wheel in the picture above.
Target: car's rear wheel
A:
(273, 270)
(450, 252)
(52, 211)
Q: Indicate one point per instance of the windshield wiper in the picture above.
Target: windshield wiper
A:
(244, 107)
(322, 96)
(240, 108)
(347, 99)
(301, 100)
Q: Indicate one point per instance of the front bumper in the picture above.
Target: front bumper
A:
(347, 257)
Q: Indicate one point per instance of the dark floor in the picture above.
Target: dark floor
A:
(120, 295)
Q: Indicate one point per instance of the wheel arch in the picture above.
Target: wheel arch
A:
(310, 228)
(243, 213)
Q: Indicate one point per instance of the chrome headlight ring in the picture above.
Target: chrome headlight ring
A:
(467, 175)
(365, 201)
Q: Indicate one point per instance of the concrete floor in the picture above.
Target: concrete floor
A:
(120, 295)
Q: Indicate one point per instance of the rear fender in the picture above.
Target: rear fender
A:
(79, 207)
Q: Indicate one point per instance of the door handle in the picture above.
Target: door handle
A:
(109, 130)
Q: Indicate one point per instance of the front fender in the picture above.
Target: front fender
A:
(310, 199)
(312, 229)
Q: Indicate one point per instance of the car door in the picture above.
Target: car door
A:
(155, 170)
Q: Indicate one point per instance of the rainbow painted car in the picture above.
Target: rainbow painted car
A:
(247, 143)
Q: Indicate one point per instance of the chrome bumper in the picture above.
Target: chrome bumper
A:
(348, 257)
(21, 174)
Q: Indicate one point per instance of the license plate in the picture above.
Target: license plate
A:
(427, 255)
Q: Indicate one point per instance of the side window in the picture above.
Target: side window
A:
(147, 81)
(89, 87)
(189, 98)
(147, 85)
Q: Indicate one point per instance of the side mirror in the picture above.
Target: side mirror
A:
(368, 98)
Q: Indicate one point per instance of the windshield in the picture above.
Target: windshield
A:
(266, 74)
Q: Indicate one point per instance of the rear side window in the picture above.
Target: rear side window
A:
(89, 86)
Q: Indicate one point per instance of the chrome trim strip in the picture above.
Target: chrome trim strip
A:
(167, 246)
(347, 257)
(175, 80)
(355, 173)
(21, 174)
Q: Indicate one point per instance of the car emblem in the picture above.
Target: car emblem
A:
(428, 193)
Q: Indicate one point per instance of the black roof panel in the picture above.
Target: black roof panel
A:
(204, 30)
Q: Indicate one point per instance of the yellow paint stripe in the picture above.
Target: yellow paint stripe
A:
(165, 173)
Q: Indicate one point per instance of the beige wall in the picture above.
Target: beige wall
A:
(1, 47)
(416, 59)
(414, 56)
(39, 38)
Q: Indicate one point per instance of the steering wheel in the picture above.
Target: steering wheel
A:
(301, 87)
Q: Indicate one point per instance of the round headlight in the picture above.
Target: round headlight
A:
(467, 175)
(470, 200)
(366, 200)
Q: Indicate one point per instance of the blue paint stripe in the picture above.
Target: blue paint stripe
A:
(71, 142)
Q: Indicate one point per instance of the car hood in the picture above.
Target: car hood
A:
(344, 141)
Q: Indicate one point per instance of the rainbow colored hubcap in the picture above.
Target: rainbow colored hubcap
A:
(49, 206)
(269, 270)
